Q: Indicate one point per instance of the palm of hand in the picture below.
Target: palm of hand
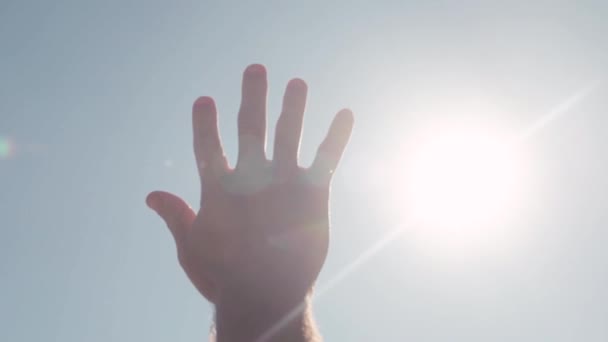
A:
(262, 231)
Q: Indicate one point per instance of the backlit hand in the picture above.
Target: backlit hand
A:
(261, 233)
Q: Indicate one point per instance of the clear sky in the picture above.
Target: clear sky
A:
(95, 100)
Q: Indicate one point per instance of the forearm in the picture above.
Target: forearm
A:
(241, 322)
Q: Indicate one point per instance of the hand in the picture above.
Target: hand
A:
(261, 234)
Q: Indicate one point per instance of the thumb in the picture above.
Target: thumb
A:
(176, 213)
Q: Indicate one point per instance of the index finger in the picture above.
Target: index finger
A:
(206, 138)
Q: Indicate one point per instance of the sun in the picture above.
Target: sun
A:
(456, 185)
(461, 177)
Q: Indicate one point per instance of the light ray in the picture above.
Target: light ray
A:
(336, 279)
(561, 109)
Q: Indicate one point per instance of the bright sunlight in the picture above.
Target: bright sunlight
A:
(456, 187)
(461, 177)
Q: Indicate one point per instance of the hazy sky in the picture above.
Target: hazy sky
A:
(95, 102)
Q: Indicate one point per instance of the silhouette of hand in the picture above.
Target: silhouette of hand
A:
(261, 234)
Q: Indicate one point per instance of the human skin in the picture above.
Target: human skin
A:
(255, 247)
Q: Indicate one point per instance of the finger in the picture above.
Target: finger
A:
(331, 149)
(174, 211)
(289, 126)
(207, 144)
(252, 114)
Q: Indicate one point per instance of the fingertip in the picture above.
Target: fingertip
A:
(203, 101)
(153, 200)
(255, 69)
(346, 115)
(204, 114)
(343, 123)
(297, 83)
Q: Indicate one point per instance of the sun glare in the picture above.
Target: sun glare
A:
(461, 178)
(458, 185)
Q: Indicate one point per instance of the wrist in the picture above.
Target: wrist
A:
(238, 320)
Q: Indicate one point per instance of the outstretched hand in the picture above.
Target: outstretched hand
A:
(262, 231)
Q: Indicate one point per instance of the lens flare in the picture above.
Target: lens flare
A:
(7, 148)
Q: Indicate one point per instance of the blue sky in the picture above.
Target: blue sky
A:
(95, 101)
